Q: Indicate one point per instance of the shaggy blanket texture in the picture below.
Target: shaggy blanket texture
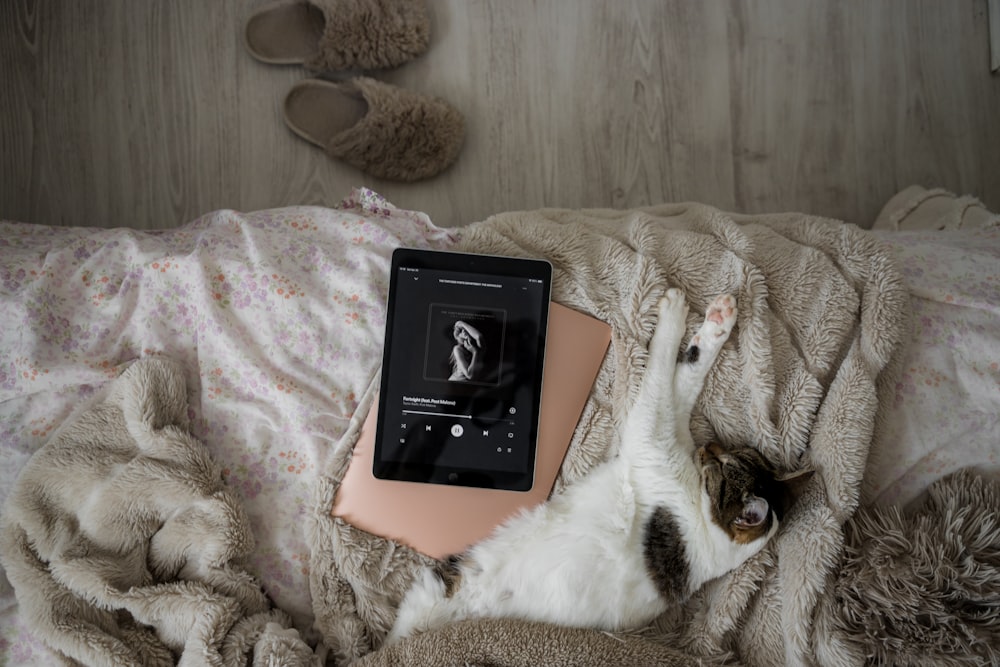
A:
(806, 378)
(922, 588)
(124, 546)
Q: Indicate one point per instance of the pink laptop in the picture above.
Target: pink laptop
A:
(439, 519)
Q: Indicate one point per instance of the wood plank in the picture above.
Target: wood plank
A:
(148, 114)
(994, 23)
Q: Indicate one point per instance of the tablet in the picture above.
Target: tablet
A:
(462, 369)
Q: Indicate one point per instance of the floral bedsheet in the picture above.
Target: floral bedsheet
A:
(277, 316)
(947, 409)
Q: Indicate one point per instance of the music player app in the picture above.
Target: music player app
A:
(463, 371)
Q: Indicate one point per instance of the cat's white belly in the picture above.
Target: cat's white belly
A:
(550, 586)
(568, 582)
(552, 567)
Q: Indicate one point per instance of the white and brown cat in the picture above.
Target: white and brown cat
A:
(642, 531)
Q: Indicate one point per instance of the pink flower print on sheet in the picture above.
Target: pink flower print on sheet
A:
(214, 384)
(221, 289)
(284, 385)
(344, 403)
(27, 370)
(355, 310)
(164, 265)
(103, 287)
(294, 462)
(17, 280)
(41, 427)
(242, 288)
(285, 287)
(301, 223)
(239, 288)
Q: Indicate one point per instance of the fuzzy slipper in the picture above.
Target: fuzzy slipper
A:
(382, 130)
(334, 35)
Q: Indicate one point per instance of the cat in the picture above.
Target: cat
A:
(639, 532)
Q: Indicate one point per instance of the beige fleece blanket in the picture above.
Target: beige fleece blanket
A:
(125, 547)
(812, 365)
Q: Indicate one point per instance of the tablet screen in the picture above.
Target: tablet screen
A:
(462, 369)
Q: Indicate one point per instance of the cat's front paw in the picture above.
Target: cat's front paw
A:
(670, 325)
(673, 308)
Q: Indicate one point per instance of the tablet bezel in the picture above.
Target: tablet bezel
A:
(461, 263)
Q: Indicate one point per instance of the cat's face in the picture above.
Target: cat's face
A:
(746, 497)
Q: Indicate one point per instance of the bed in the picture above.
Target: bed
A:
(271, 321)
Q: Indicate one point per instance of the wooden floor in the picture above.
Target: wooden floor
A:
(147, 113)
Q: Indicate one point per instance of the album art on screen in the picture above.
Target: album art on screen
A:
(465, 344)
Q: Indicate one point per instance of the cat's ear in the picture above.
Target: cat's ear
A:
(754, 513)
(795, 483)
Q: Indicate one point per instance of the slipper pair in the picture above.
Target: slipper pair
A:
(379, 128)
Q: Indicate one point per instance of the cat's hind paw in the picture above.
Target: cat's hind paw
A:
(719, 320)
(722, 313)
